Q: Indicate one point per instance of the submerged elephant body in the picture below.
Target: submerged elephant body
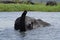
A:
(24, 23)
(35, 22)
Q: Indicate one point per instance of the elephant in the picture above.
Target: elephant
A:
(51, 3)
(7, 2)
(25, 23)
(29, 2)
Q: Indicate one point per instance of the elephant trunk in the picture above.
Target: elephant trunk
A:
(22, 22)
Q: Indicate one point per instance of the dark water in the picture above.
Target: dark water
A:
(52, 32)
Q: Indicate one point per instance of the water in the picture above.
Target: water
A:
(52, 32)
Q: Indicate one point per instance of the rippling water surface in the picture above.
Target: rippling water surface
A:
(52, 32)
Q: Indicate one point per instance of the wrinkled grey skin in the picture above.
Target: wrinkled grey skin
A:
(29, 23)
(36, 22)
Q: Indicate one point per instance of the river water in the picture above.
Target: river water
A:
(52, 32)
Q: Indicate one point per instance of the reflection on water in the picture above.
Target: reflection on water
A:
(23, 34)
